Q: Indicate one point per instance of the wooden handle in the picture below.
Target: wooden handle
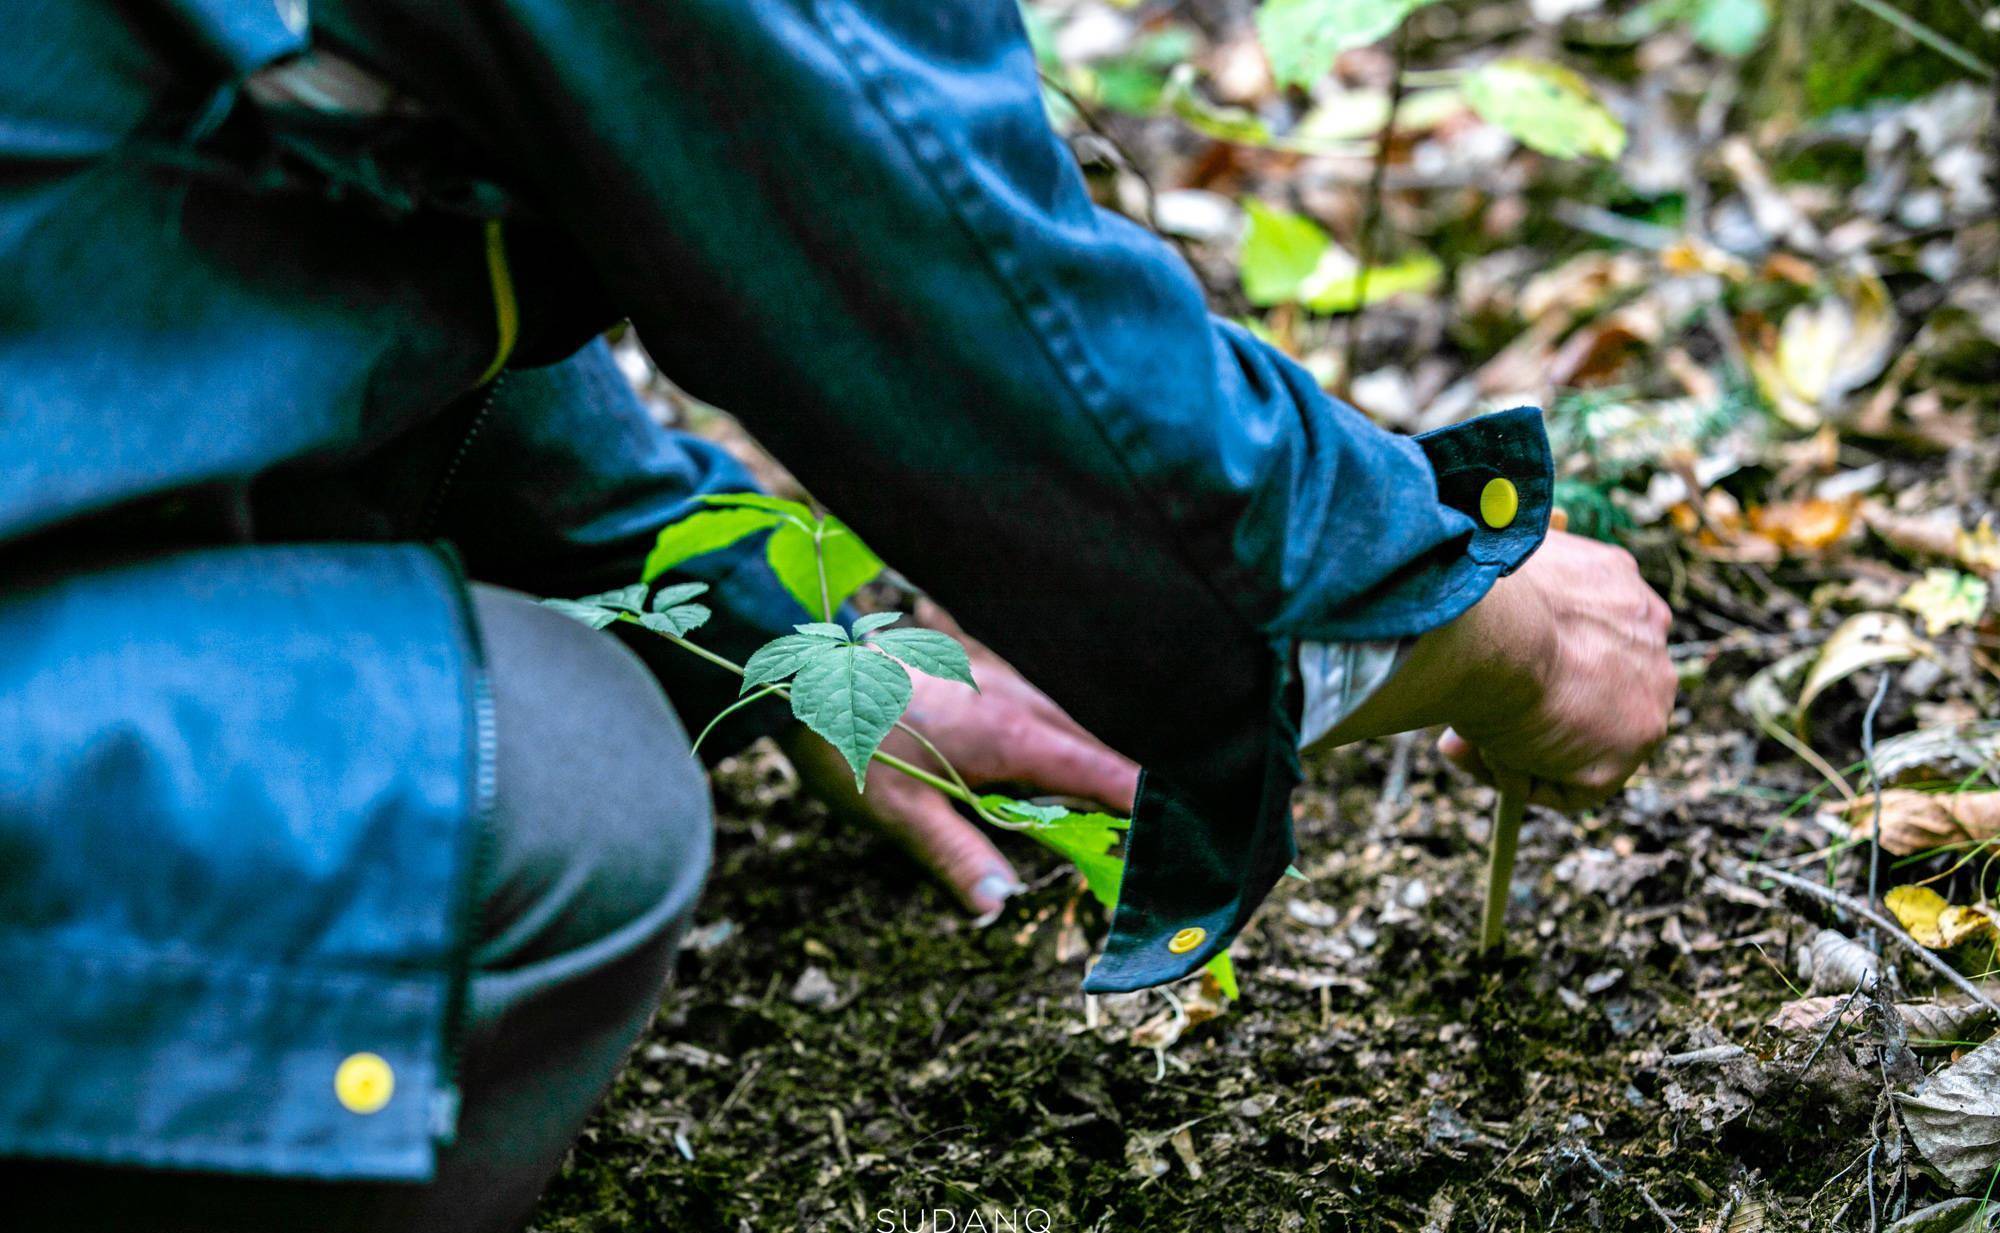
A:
(1507, 811)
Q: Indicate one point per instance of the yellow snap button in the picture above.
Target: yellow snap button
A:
(1499, 502)
(364, 1083)
(1186, 940)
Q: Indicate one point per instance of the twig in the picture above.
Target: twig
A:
(1364, 250)
(1874, 787)
(1839, 1017)
(1928, 37)
(1891, 930)
(1613, 1176)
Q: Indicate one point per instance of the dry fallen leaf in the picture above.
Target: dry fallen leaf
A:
(1915, 821)
(1812, 525)
(1917, 909)
(1833, 961)
(1862, 641)
(1828, 348)
(1929, 1024)
(1954, 1118)
(1945, 598)
(1938, 535)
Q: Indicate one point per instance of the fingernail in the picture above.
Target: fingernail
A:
(996, 889)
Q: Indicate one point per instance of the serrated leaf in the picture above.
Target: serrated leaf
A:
(590, 614)
(1280, 251)
(874, 621)
(624, 599)
(677, 620)
(1302, 38)
(702, 533)
(928, 651)
(763, 501)
(825, 630)
(853, 697)
(679, 593)
(1546, 107)
(781, 657)
(849, 565)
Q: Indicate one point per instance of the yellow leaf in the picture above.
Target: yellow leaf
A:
(1944, 598)
(1918, 909)
(1958, 924)
(1979, 548)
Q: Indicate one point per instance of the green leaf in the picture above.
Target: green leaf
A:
(927, 650)
(853, 697)
(1232, 124)
(763, 501)
(874, 621)
(1730, 27)
(1280, 251)
(700, 534)
(677, 620)
(679, 593)
(781, 657)
(590, 614)
(1546, 107)
(1330, 290)
(624, 599)
(1085, 838)
(1726, 27)
(1302, 38)
(824, 630)
(1225, 975)
(849, 564)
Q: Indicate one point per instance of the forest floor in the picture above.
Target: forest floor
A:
(1768, 336)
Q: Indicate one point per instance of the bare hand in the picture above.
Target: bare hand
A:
(1571, 682)
(1009, 732)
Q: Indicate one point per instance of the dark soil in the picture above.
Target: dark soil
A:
(843, 1050)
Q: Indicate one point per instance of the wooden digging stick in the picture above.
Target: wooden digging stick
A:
(1507, 811)
(1508, 807)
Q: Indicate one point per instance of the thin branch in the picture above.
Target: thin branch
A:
(1371, 217)
(1894, 932)
(1928, 37)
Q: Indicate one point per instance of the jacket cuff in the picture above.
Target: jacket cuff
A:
(1208, 841)
(1497, 474)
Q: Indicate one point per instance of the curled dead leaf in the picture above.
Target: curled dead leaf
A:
(1862, 641)
(1914, 822)
(1834, 961)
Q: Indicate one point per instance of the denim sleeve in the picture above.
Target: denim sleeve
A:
(850, 223)
(560, 490)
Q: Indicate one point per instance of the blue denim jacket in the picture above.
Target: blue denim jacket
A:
(241, 771)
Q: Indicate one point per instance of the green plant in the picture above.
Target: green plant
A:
(848, 683)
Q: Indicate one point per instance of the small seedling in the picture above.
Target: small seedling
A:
(849, 684)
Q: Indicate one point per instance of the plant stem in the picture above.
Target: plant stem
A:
(819, 562)
(726, 711)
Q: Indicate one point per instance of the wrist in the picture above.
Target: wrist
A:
(1502, 649)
